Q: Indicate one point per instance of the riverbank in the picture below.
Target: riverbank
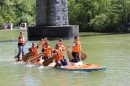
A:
(8, 34)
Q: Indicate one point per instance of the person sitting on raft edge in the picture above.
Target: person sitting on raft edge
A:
(58, 56)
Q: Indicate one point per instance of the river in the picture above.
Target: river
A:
(111, 50)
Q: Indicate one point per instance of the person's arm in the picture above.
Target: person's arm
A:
(39, 43)
(37, 46)
(53, 52)
(66, 48)
(29, 49)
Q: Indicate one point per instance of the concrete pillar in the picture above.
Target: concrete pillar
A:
(41, 12)
(51, 12)
(52, 21)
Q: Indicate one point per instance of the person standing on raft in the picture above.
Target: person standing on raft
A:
(76, 49)
(21, 42)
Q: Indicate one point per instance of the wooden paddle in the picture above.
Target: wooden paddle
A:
(48, 61)
(34, 59)
(83, 56)
(26, 56)
(69, 55)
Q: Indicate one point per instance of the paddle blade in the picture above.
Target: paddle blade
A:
(83, 56)
(26, 56)
(16, 56)
(35, 56)
(34, 59)
(69, 55)
(48, 61)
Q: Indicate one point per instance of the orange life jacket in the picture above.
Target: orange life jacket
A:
(59, 55)
(34, 50)
(20, 40)
(76, 46)
(47, 51)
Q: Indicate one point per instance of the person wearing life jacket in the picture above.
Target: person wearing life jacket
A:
(60, 43)
(22, 35)
(46, 50)
(58, 56)
(34, 49)
(44, 42)
(76, 49)
(21, 42)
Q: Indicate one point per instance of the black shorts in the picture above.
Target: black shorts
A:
(76, 57)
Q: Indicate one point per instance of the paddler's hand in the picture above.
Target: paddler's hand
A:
(68, 46)
(81, 51)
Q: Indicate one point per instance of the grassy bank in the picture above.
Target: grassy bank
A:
(11, 35)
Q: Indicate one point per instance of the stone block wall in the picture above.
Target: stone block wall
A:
(41, 12)
(51, 13)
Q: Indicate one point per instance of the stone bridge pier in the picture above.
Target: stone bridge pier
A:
(52, 21)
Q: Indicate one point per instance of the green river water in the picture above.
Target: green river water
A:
(111, 50)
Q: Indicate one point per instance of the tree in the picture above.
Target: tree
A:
(17, 11)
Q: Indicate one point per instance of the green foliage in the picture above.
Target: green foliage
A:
(99, 15)
(1, 21)
(99, 22)
(17, 11)
(90, 15)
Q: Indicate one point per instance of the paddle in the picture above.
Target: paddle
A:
(69, 55)
(48, 61)
(34, 59)
(26, 56)
(24, 43)
(83, 56)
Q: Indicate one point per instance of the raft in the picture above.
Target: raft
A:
(74, 66)
(82, 68)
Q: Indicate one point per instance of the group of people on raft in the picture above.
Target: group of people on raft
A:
(48, 52)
